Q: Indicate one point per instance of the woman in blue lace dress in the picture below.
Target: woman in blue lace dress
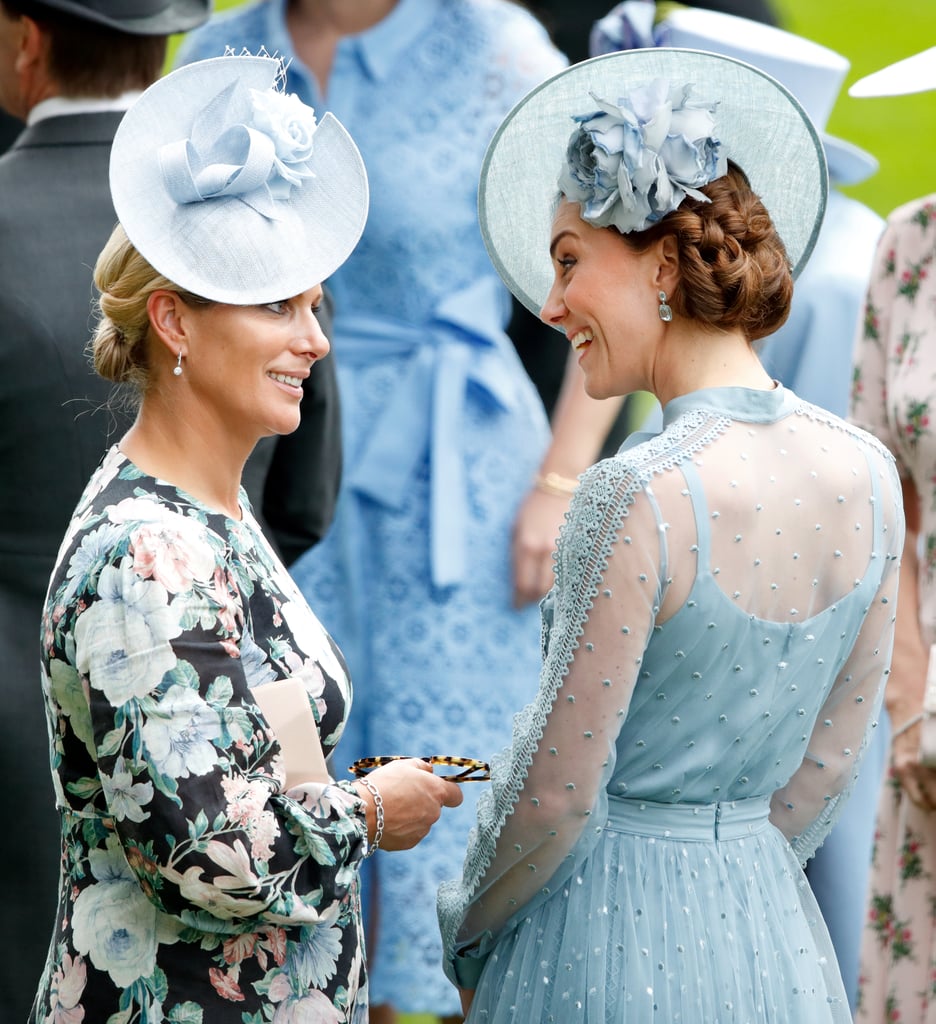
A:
(720, 629)
(444, 434)
(209, 864)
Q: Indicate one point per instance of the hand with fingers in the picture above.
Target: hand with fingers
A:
(534, 538)
(917, 779)
(404, 799)
(452, 769)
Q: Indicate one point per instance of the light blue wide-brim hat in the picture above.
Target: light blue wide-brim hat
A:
(762, 127)
(231, 188)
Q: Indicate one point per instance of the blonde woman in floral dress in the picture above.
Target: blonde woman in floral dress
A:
(207, 877)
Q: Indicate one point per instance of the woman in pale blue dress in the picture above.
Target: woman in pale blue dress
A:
(720, 629)
(444, 433)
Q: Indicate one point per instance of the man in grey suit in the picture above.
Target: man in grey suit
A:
(69, 68)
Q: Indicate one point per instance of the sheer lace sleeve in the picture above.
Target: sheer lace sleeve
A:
(807, 807)
(549, 789)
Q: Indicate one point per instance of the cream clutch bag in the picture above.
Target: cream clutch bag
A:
(928, 724)
(285, 706)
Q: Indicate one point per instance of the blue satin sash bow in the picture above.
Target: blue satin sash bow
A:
(461, 346)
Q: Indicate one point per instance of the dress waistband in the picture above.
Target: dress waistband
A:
(732, 819)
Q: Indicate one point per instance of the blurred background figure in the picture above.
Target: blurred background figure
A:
(894, 394)
(570, 23)
(69, 70)
(810, 353)
(450, 476)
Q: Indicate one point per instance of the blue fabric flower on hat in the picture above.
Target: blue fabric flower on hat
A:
(631, 163)
(245, 144)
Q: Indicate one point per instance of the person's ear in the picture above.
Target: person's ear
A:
(167, 319)
(32, 46)
(667, 265)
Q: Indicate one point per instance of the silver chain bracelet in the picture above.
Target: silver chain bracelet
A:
(379, 809)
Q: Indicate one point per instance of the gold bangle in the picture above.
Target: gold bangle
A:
(554, 483)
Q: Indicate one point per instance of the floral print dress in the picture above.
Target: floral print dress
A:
(894, 395)
(194, 889)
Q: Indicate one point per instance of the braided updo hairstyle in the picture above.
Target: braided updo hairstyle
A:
(734, 272)
(126, 281)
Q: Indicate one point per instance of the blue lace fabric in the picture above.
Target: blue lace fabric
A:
(443, 430)
(715, 652)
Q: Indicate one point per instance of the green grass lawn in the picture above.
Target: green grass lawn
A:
(900, 131)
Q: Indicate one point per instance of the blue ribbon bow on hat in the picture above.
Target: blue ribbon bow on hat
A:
(244, 144)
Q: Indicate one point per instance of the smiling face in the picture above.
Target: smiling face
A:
(244, 365)
(605, 298)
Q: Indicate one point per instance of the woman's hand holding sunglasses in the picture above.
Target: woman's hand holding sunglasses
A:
(408, 801)
(452, 769)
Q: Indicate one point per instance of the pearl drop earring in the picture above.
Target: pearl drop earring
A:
(177, 370)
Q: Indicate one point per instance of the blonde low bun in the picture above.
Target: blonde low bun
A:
(125, 281)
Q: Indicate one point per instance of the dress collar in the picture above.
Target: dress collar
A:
(381, 45)
(746, 404)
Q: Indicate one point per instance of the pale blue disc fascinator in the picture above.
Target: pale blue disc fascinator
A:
(757, 123)
(233, 189)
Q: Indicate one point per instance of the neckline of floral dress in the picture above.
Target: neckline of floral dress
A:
(184, 494)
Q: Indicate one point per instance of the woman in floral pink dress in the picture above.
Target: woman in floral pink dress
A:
(894, 395)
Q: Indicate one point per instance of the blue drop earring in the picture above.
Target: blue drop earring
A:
(666, 314)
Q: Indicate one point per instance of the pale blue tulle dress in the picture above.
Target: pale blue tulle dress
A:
(715, 650)
(443, 430)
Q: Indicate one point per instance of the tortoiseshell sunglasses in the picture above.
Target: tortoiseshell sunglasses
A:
(471, 770)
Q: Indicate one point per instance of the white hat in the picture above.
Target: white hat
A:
(229, 187)
(758, 124)
(912, 74)
(813, 73)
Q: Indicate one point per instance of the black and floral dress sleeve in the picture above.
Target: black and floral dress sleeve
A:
(164, 617)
